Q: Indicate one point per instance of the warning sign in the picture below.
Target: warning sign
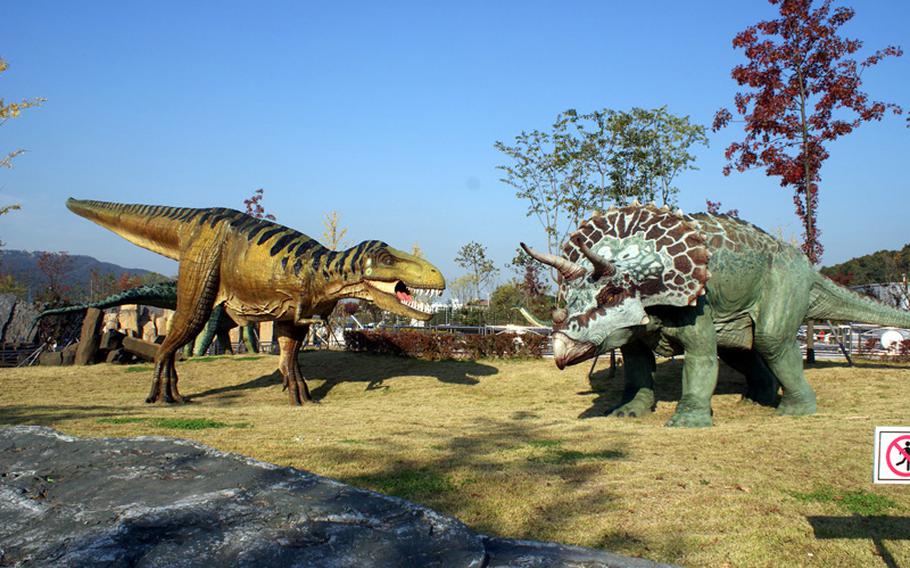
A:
(892, 454)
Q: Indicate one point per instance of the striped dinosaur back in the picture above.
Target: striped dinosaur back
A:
(158, 228)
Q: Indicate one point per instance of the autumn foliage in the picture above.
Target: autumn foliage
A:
(801, 90)
(254, 206)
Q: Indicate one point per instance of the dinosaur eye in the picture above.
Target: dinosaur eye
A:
(385, 259)
(609, 297)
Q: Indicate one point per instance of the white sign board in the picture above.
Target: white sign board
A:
(891, 460)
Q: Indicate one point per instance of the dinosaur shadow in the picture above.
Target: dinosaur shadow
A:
(52, 415)
(858, 364)
(667, 386)
(375, 370)
(334, 368)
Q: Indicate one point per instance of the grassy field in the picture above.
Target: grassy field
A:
(522, 450)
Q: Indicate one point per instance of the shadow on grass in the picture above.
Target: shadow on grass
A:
(667, 386)
(877, 528)
(374, 370)
(508, 450)
(264, 381)
(857, 363)
(336, 367)
(51, 415)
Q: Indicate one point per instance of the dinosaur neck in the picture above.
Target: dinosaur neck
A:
(329, 270)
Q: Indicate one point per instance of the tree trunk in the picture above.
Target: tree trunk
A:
(810, 226)
(810, 342)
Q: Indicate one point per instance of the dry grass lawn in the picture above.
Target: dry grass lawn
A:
(522, 450)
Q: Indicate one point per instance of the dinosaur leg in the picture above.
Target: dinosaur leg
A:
(290, 339)
(196, 290)
(183, 329)
(761, 383)
(249, 338)
(639, 368)
(699, 377)
(209, 331)
(786, 362)
(224, 339)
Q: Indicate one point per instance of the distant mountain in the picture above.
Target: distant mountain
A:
(23, 266)
(881, 266)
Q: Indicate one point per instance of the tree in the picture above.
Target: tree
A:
(13, 110)
(714, 209)
(333, 235)
(504, 301)
(8, 111)
(802, 90)
(462, 288)
(254, 206)
(535, 292)
(542, 174)
(473, 258)
(587, 161)
(55, 266)
(4, 211)
(416, 250)
(635, 155)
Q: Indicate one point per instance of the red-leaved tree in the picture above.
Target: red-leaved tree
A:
(801, 91)
(254, 206)
(56, 267)
(714, 209)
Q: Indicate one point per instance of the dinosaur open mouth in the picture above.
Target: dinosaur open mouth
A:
(405, 295)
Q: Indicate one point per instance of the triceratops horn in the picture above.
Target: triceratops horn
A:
(568, 269)
(602, 266)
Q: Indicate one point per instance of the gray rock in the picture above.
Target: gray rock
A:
(50, 359)
(69, 354)
(164, 502)
(111, 339)
(19, 329)
(7, 306)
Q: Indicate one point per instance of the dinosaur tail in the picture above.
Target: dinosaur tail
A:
(829, 300)
(154, 227)
(529, 317)
(162, 295)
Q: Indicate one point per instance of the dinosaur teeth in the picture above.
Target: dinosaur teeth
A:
(417, 306)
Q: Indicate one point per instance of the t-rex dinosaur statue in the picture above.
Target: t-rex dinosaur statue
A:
(647, 279)
(260, 271)
(163, 295)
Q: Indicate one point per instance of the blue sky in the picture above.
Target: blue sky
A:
(387, 112)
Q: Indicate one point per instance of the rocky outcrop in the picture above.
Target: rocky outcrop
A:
(16, 317)
(148, 501)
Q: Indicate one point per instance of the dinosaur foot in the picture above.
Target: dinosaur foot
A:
(690, 416)
(298, 392)
(167, 399)
(797, 405)
(641, 404)
(759, 398)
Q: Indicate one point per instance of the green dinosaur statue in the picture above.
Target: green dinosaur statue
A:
(260, 271)
(645, 279)
(164, 295)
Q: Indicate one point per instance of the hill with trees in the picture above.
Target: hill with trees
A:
(60, 276)
(881, 266)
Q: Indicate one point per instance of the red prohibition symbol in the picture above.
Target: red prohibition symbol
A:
(903, 453)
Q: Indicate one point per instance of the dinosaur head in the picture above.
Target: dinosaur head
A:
(614, 267)
(391, 278)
